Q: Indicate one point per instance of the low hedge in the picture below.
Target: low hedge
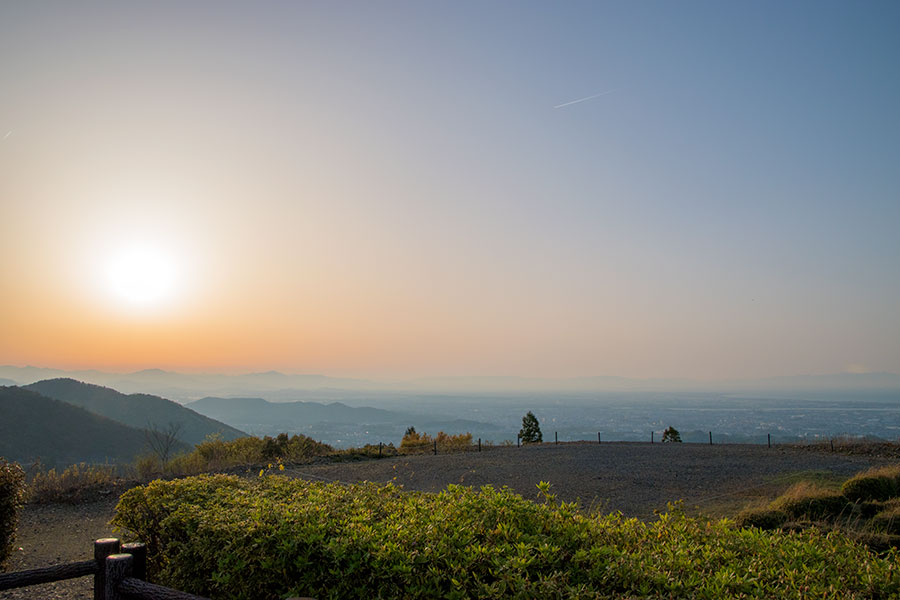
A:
(12, 494)
(227, 537)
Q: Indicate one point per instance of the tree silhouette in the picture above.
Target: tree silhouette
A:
(531, 430)
(162, 441)
(671, 435)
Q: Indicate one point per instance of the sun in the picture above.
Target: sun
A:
(141, 276)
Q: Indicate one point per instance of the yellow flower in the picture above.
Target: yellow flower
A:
(281, 467)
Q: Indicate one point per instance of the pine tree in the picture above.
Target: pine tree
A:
(531, 430)
(671, 435)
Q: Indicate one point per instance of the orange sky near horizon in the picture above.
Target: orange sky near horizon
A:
(406, 189)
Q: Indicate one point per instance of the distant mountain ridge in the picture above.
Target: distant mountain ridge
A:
(185, 387)
(260, 411)
(35, 427)
(141, 411)
(330, 422)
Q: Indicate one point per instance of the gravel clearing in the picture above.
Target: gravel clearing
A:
(634, 478)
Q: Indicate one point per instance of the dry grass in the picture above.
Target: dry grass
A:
(76, 484)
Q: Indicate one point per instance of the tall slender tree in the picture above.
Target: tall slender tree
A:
(531, 430)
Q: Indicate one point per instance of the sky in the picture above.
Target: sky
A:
(706, 190)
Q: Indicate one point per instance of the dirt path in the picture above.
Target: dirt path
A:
(632, 478)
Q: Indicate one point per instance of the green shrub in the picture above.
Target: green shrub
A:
(763, 518)
(12, 493)
(809, 501)
(273, 537)
(876, 484)
(887, 521)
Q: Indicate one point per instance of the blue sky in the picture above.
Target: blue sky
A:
(386, 188)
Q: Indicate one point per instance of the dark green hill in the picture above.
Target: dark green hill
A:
(137, 410)
(35, 427)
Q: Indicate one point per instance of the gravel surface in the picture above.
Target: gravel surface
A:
(52, 534)
(634, 478)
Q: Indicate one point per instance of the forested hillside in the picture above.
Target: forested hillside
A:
(136, 410)
(35, 427)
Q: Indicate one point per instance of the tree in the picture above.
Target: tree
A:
(671, 435)
(163, 441)
(531, 430)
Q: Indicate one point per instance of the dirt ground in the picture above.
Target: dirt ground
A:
(59, 533)
(634, 478)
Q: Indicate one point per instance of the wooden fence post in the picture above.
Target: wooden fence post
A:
(379, 449)
(556, 438)
(598, 437)
(103, 548)
(139, 552)
(118, 567)
(435, 447)
(651, 436)
(479, 444)
(769, 436)
(710, 438)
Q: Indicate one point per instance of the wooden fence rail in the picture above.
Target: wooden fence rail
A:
(118, 569)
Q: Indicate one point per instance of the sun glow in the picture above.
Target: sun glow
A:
(141, 276)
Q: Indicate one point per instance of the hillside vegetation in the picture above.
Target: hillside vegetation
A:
(865, 506)
(227, 537)
(34, 427)
(136, 410)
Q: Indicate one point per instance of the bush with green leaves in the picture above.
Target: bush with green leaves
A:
(12, 494)
(876, 484)
(273, 537)
(531, 430)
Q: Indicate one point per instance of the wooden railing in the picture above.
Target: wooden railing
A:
(119, 572)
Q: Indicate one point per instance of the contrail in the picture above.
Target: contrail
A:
(588, 98)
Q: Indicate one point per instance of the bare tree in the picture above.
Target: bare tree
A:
(163, 440)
